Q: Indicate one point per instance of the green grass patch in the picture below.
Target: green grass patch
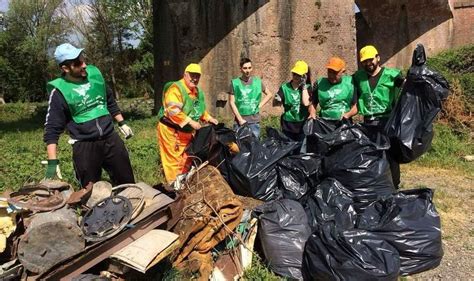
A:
(448, 148)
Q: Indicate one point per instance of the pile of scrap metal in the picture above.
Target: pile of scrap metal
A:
(48, 231)
(209, 220)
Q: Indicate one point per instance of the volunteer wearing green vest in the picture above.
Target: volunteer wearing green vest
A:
(245, 98)
(294, 95)
(183, 107)
(335, 94)
(377, 89)
(80, 103)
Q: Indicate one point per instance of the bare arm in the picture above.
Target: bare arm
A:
(351, 112)
(267, 98)
(119, 117)
(51, 150)
(235, 111)
(305, 97)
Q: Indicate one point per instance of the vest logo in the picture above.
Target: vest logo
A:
(334, 92)
(81, 90)
(246, 91)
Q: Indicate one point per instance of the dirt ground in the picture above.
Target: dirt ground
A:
(454, 200)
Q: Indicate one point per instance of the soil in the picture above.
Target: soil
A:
(454, 199)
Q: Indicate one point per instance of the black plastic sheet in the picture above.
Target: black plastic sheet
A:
(359, 164)
(283, 231)
(315, 130)
(410, 223)
(410, 126)
(331, 254)
(298, 174)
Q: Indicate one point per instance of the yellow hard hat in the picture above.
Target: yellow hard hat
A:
(300, 68)
(193, 68)
(368, 52)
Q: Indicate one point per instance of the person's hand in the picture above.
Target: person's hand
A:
(126, 131)
(345, 116)
(195, 125)
(213, 121)
(313, 116)
(242, 122)
(52, 170)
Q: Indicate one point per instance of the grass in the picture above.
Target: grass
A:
(22, 147)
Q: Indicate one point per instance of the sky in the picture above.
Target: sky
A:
(4, 5)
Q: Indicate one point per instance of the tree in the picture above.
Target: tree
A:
(33, 29)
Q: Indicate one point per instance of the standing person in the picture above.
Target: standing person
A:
(80, 102)
(183, 107)
(377, 89)
(245, 98)
(335, 94)
(294, 95)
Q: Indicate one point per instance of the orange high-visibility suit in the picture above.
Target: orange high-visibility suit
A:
(172, 141)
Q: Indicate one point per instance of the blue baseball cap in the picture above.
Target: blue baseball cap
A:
(66, 52)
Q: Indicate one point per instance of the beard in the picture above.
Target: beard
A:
(371, 67)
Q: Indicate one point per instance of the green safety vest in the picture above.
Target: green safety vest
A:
(87, 100)
(335, 99)
(193, 107)
(247, 97)
(295, 111)
(381, 100)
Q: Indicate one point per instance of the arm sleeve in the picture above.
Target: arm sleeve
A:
(354, 94)
(314, 95)
(56, 117)
(112, 105)
(173, 105)
(280, 97)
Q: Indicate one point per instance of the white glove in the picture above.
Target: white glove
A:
(126, 131)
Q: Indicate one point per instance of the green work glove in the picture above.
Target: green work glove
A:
(52, 170)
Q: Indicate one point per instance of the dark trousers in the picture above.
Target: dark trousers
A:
(377, 125)
(89, 157)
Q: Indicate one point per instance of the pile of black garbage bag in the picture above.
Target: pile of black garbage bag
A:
(332, 211)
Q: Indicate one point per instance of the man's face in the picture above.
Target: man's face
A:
(335, 77)
(298, 79)
(246, 69)
(77, 68)
(191, 79)
(370, 65)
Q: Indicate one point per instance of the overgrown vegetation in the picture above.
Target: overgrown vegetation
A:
(457, 65)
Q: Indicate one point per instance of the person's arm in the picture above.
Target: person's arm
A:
(206, 117)
(279, 97)
(267, 96)
(353, 111)
(56, 120)
(173, 104)
(305, 97)
(235, 111)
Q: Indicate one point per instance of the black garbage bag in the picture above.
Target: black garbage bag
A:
(410, 126)
(314, 131)
(297, 174)
(283, 231)
(332, 254)
(330, 202)
(211, 143)
(253, 171)
(359, 164)
(410, 223)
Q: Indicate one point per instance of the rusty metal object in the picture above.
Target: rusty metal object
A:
(81, 195)
(107, 218)
(152, 217)
(39, 197)
(49, 239)
(211, 212)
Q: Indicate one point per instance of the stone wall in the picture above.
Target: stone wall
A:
(274, 34)
(463, 17)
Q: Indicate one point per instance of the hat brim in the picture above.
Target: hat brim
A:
(368, 58)
(335, 68)
(71, 56)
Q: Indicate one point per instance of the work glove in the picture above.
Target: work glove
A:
(126, 130)
(52, 169)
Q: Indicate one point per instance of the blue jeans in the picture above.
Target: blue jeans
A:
(254, 127)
